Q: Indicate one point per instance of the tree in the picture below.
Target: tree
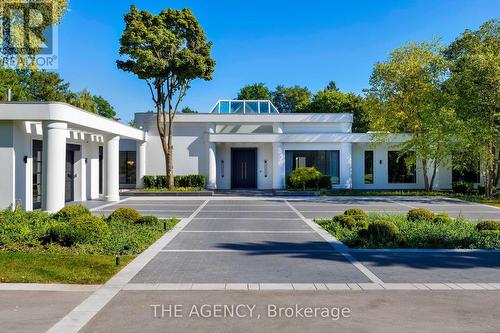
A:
(23, 24)
(84, 100)
(45, 86)
(254, 91)
(9, 79)
(334, 101)
(405, 95)
(104, 108)
(187, 109)
(475, 84)
(168, 51)
(291, 99)
(332, 86)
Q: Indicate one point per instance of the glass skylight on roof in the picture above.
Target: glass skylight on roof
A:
(244, 107)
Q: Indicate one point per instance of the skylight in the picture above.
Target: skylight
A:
(244, 107)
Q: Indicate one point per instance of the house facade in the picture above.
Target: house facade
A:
(249, 144)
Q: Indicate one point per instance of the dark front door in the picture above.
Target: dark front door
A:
(70, 175)
(244, 168)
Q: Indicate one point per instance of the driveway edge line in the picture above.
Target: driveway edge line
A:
(85, 311)
(338, 245)
(109, 204)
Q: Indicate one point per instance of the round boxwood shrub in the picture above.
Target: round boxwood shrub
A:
(124, 214)
(345, 221)
(382, 231)
(419, 214)
(87, 229)
(488, 225)
(70, 212)
(148, 220)
(442, 218)
(357, 213)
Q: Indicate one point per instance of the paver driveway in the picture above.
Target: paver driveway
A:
(248, 241)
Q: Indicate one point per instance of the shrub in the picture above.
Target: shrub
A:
(308, 178)
(197, 181)
(350, 222)
(150, 181)
(419, 214)
(357, 213)
(442, 218)
(462, 187)
(488, 225)
(130, 215)
(82, 230)
(148, 220)
(345, 221)
(382, 231)
(70, 212)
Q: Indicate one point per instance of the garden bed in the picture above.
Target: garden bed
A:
(72, 246)
(405, 231)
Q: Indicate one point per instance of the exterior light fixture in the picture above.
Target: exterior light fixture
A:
(265, 168)
(222, 168)
(25, 159)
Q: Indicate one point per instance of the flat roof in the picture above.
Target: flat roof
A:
(63, 112)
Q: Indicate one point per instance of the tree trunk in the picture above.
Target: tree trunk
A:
(169, 156)
(433, 178)
(426, 176)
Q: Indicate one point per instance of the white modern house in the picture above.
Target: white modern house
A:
(52, 153)
(249, 144)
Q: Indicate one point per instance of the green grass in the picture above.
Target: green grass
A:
(58, 268)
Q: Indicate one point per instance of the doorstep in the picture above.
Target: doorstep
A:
(138, 193)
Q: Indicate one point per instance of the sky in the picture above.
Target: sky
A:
(286, 42)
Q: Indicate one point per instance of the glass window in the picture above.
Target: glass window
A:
(325, 161)
(399, 170)
(264, 107)
(251, 107)
(127, 167)
(368, 167)
(236, 107)
(273, 109)
(37, 174)
(224, 107)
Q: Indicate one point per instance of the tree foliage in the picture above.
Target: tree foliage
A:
(187, 109)
(475, 87)
(254, 92)
(104, 108)
(168, 51)
(405, 95)
(291, 99)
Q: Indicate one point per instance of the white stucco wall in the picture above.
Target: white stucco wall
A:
(7, 166)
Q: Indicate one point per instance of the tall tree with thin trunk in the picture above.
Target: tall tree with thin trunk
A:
(475, 84)
(168, 51)
(405, 95)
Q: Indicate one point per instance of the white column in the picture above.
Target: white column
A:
(53, 165)
(346, 165)
(278, 128)
(112, 153)
(212, 160)
(140, 164)
(278, 166)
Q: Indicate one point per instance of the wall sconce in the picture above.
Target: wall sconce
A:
(86, 160)
(25, 159)
(265, 168)
(380, 161)
(222, 168)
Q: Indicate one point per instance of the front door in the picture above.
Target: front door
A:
(70, 175)
(244, 168)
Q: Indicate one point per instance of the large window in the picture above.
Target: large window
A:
(127, 167)
(368, 166)
(325, 161)
(37, 174)
(399, 170)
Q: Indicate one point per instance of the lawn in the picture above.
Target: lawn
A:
(58, 268)
(72, 246)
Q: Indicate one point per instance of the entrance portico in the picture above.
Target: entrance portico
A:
(62, 144)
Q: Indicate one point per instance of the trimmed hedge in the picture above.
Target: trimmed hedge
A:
(351, 221)
(462, 187)
(196, 181)
(442, 218)
(308, 178)
(488, 225)
(125, 214)
(419, 214)
(357, 213)
(70, 212)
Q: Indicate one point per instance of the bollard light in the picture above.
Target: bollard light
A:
(117, 260)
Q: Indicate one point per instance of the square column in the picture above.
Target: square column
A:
(140, 164)
(53, 165)
(278, 166)
(212, 159)
(112, 155)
